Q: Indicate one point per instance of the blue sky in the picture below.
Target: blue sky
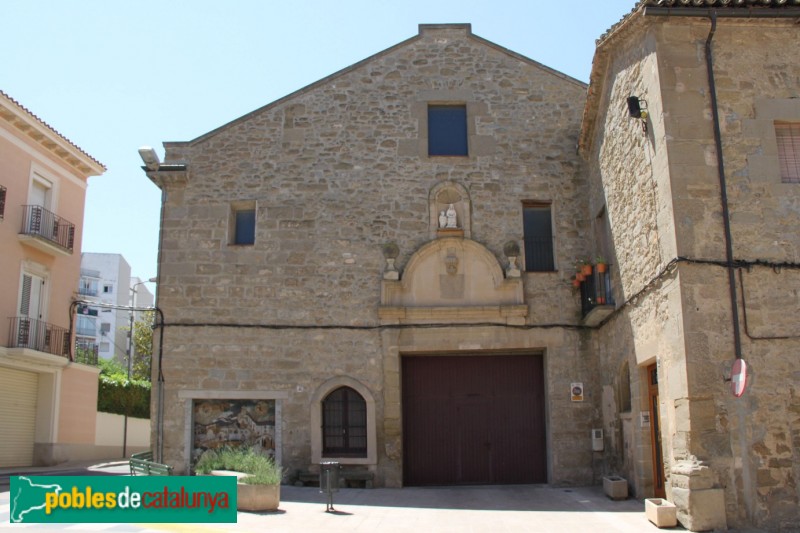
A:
(116, 75)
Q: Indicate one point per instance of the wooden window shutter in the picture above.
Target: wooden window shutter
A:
(25, 304)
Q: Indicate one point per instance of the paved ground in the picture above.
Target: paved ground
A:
(496, 509)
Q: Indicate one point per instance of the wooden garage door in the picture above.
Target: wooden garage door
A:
(473, 420)
(18, 392)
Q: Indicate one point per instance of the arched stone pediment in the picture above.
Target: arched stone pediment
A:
(453, 279)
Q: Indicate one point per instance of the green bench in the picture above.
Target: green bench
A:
(142, 465)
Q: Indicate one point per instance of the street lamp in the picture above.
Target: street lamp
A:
(131, 351)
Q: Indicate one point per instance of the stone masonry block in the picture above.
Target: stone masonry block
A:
(701, 510)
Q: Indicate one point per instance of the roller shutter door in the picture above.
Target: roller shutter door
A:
(18, 393)
(473, 420)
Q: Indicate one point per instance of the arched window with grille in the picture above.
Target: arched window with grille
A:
(344, 424)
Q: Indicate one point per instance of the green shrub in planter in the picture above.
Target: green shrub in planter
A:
(261, 469)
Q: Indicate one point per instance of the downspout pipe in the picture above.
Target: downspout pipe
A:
(160, 378)
(726, 220)
(723, 189)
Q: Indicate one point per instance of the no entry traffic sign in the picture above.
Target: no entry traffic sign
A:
(738, 377)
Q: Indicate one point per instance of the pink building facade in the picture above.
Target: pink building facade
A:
(49, 399)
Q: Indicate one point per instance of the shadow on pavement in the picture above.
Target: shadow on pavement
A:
(488, 498)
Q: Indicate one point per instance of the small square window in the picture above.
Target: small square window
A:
(537, 225)
(105, 346)
(244, 226)
(447, 130)
(788, 136)
(108, 289)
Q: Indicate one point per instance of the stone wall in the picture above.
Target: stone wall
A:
(750, 441)
(727, 460)
(334, 172)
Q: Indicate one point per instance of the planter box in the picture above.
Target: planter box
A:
(257, 497)
(253, 497)
(661, 512)
(615, 487)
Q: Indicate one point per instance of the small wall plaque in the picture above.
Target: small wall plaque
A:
(576, 392)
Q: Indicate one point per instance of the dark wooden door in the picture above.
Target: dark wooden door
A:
(655, 432)
(473, 420)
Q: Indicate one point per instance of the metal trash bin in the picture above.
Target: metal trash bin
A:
(329, 481)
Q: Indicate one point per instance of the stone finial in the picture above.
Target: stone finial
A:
(391, 250)
(390, 253)
(511, 249)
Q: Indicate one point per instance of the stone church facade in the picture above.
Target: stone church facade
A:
(379, 269)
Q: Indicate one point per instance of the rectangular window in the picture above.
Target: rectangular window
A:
(244, 226)
(88, 287)
(105, 327)
(108, 289)
(537, 226)
(447, 130)
(788, 137)
(2, 201)
(86, 326)
(105, 346)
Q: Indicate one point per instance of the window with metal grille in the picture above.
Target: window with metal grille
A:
(788, 137)
(537, 227)
(344, 424)
(447, 130)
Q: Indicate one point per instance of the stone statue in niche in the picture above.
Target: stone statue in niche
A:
(442, 219)
(451, 217)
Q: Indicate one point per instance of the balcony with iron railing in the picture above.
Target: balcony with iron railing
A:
(38, 335)
(86, 329)
(32, 334)
(597, 298)
(87, 291)
(86, 352)
(46, 231)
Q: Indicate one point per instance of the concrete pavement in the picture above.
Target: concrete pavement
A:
(496, 509)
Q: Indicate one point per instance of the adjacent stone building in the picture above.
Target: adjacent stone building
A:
(702, 201)
(380, 269)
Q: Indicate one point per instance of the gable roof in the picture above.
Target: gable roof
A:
(676, 8)
(17, 115)
(423, 29)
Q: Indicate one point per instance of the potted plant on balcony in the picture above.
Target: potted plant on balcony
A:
(584, 266)
(601, 264)
(258, 485)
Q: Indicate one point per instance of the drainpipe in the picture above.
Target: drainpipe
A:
(712, 15)
(160, 380)
(741, 409)
(723, 189)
